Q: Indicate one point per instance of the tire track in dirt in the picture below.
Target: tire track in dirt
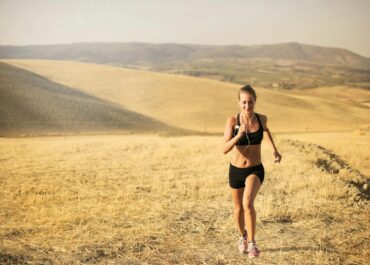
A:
(333, 164)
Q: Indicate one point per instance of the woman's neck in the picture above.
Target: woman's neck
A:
(247, 116)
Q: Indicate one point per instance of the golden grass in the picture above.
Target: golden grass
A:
(147, 199)
(181, 101)
(204, 105)
(142, 199)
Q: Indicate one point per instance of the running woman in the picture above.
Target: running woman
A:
(246, 172)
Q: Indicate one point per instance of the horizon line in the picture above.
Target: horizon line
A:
(178, 43)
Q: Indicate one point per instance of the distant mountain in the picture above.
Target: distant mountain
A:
(284, 65)
(137, 53)
(30, 104)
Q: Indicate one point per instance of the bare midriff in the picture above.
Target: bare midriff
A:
(246, 156)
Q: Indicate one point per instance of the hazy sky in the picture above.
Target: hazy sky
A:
(333, 23)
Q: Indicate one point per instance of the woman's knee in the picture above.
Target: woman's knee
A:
(238, 208)
(248, 203)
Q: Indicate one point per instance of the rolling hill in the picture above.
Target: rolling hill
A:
(31, 104)
(285, 65)
(203, 105)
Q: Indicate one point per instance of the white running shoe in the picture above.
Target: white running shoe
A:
(253, 250)
(243, 243)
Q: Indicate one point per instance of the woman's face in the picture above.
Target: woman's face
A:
(246, 102)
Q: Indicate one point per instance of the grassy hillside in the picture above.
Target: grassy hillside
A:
(31, 104)
(204, 105)
(269, 73)
(138, 199)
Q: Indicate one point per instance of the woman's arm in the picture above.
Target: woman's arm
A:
(276, 154)
(229, 140)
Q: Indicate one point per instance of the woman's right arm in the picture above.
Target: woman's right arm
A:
(229, 140)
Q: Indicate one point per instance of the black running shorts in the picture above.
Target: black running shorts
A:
(238, 175)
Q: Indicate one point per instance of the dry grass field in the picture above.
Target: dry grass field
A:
(31, 105)
(110, 197)
(141, 199)
(202, 104)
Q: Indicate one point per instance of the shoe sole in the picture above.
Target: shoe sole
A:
(243, 252)
(253, 257)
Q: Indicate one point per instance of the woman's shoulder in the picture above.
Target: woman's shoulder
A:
(263, 119)
(232, 119)
(262, 116)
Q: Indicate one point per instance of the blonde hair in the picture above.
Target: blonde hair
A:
(248, 89)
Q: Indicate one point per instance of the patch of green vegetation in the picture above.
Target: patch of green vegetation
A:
(268, 73)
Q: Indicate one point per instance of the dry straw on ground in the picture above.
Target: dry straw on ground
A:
(141, 199)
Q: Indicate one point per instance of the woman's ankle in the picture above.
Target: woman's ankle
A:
(245, 234)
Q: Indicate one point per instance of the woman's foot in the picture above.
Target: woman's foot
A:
(252, 249)
(243, 243)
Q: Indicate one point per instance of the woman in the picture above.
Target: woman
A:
(246, 172)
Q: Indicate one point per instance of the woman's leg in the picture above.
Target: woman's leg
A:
(252, 185)
(237, 195)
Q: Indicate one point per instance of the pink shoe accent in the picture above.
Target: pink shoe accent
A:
(253, 250)
(243, 243)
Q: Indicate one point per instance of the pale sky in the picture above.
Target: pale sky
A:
(329, 23)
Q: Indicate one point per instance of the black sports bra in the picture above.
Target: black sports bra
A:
(254, 137)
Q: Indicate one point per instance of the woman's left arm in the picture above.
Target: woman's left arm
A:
(276, 154)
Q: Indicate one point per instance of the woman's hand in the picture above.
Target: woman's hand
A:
(242, 129)
(277, 156)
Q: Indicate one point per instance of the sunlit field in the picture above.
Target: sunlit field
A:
(147, 199)
(202, 104)
(117, 195)
(115, 119)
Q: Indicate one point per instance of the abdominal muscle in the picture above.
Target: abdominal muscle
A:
(246, 156)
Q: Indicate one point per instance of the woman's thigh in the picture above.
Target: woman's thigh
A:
(237, 195)
(252, 186)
